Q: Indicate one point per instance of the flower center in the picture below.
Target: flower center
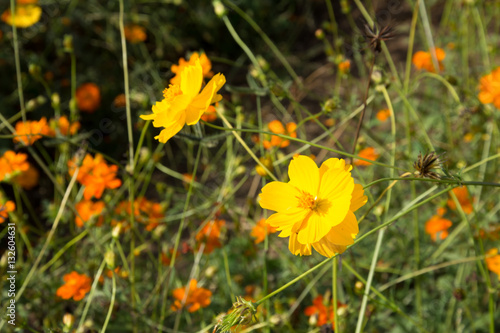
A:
(307, 201)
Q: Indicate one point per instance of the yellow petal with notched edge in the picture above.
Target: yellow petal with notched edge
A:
(281, 197)
(296, 248)
(316, 228)
(358, 198)
(304, 174)
(191, 80)
(285, 222)
(344, 233)
(199, 105)
(171, 130)
(327, 249)
(336, 183)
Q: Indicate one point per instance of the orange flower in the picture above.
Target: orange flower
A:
(209, 115)
(12, 164)
(369, 153)
(87, 209)
(5, 209)
(209, 235)
(196, 297)
(145, 212)
(437, 226)
(166, 259)
(28, 179)
(64, 126)
(30, 131)
(277, 127)
(383, 114)
(344, 66)
(76, 286)
(462, 195)
(260, 230)
(88, 97)
(135, 33)
(27, 14)
(96, 175)
(423, 60)
(324, 314)
(493, 263)
(205, 63)
(489, 88)
(120, 101)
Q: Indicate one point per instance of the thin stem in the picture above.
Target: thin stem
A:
(17, 61)
(112, 303)
(249, 151)
(360, 122)
(428, 33)
(130, 169)
(334, 288)
(409, 53)
(380, 236)
(442, 181)
(267, 40)
(309, 143)
(91, 294)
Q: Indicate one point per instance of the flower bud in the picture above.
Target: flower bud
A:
(320, 34)
(219, 8)
(109, 257)
(68, 43)
(68, 320)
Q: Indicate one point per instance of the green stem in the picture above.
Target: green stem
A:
(411, 40)
(111, 304)
(442, 181)
(17, 61)
(334, 288)
(131, 165)
(380, 236)
(428, 34)
(305, 143)
(267, 40)
(91, 295)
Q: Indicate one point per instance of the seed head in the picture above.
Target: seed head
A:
(242, 313)
(375, 36)
(424, 166)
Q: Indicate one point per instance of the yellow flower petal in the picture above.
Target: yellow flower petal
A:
(317, 227)
(327, 249)
(280, 197)
(344, 233)
(304, 174)
(191, 80)
(298, 249)
(358, 198)
(285, 222)
(336, 183)
(171, 130)
(199, 104)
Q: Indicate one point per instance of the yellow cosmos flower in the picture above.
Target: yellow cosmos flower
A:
(316, 207)
(184, 103)
(25, 16)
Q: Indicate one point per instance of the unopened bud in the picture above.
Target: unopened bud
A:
(34, 70)
(68, 320)
(320, 34)
(68, 43)
(219, 8)
(56, 99)
(109, 257)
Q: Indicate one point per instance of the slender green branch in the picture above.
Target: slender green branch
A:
(442, 181)
(17, 61)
